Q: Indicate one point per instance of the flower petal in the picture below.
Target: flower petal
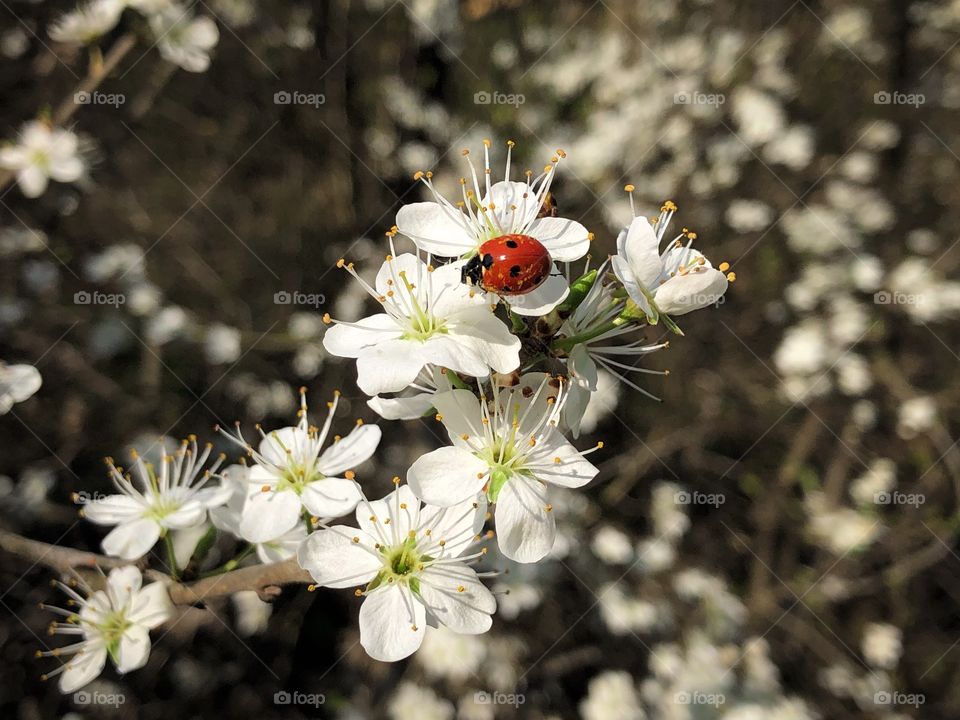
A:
(447, 476)
(402, 408)
(113, 509)
(346, 453)
(330, 497)
(133, 649)
(638, 246)
(435, 229)
(695, 290)
(567, 240)
(83, 668)
(542, 299)
(349, 339)
(488, 337)
(268, 515)
(457, 599)
(151, 606)
(390, 366)
(392, 623)
(401, 508)
(526, 529)
(131, 540)
(572, 471)
(334, 560)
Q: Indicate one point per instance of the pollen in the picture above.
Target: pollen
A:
(349, 474)
(356, 539)
(460, 588)
(327, 319)
(358, 592)
(557, 460)
(723, 267)
(731, 277)
(548, 508)
(265, 488)
(438, 417)
(629, 187)
(464, 437)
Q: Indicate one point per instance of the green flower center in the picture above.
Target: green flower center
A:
(297, 477)
(400, 564)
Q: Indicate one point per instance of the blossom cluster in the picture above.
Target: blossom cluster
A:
(508, 374)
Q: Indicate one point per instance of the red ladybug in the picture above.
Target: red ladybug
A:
(509, 265)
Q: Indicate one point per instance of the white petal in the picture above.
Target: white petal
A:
(685, 293)
(621, 268)
(202, 33)
(402, 519)
(488, 337)
(447, 476)
(456, 351)
(151, 606)
(334, 560)
(572, 471)
(188, 515)
(66, 169)
(457, 525)
(639, 247)
(20, 381)
(457, 599)
(33, 181)
(350, 340)
(436, 230)
(402, 408)
(507, 195)
(131, 540)
(133, 649)
(113, 509)
(83, 668)
(526, 530)
(390, 367)
(351, 451)
(460, 411)
(122, 584)
(268, 515)
(542, 299)
(567, 240)
(275, 445)
(388, 617)
(331, 497)
(213, 496)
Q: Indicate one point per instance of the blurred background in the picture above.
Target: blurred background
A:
(776, 539)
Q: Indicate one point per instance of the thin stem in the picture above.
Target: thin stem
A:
(171, 555)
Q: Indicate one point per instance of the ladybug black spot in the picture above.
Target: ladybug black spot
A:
(488, 260)
(538, 280)
(514, 271)
(511, 244)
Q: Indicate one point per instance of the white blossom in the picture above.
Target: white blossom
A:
(114, 622)
(17, 383)
(509, 447)
(430, 318)
(182, 40)
(174, 498)
(293, 473)
(490, 210)
(675, 281)
(40, 154)
(411, 561)
(87, 23)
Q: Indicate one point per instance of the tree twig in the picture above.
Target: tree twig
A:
(265, 580)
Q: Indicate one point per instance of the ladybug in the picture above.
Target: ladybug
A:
(509, 265)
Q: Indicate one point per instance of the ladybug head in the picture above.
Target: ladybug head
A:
(472, 271)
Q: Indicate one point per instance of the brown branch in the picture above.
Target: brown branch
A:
(265, 580)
